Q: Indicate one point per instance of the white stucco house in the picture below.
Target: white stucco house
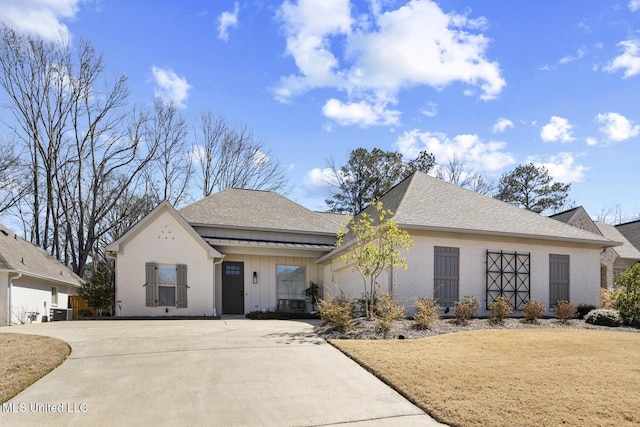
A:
(32, 282)
(238, 251)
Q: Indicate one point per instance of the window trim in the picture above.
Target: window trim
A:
(54, 296)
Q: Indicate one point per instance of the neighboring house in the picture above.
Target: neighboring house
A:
(32, 282)
(613, 260)
(631, 231)
(238, 251)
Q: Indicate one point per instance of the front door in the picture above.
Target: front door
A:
(232, 287)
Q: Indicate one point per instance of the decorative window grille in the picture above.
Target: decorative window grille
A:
(508, 275)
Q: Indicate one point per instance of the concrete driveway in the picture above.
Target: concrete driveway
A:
(233, 372)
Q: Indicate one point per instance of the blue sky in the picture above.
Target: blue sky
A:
(496, 83)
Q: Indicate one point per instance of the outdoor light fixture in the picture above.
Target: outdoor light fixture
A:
(255, 277)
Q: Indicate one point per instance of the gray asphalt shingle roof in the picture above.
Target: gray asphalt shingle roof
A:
(631, 230)
(21, 256)
(255, 209)
(421, 201)
(627, 250)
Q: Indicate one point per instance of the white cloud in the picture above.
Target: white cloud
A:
(430, 110)
(228, 20)
(617, 127)
(501, 125)
(562, 167)
(591, 141)
(359, 113)
(558, 129)
(333, 49)
(629, 60)
(41, 17)
(319, 181)
(480, 156)
(570, 58)
(171, 87)
(634, 5)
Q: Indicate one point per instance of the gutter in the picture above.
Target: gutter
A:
(214, 282)
(10, 311)
(41, 277)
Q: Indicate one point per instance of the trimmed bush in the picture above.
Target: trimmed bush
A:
(387, 309)
(603, 317)
(337, 313)
(465, 309)
(583, 309)
(533, 310)
(500, 309)
(426, 312)
(565, 311)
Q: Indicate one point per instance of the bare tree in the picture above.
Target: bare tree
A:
(611, 215)
(167, 176)
(456, 172)
(12, 187)
(228, 157)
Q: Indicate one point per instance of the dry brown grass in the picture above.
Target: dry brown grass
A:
(537, 377)
(24, 359)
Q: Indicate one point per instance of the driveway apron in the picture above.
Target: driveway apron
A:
(233, 372)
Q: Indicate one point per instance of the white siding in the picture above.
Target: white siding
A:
(163, 241)
(4, 300)
(417, 280)
(29, 295)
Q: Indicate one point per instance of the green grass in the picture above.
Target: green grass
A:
(522, 377)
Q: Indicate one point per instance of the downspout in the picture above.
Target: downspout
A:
(9, 310)
(214, 283)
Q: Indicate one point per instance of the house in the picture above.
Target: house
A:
(238, 251)
(613, 260)
(32, 283)
(233, 252)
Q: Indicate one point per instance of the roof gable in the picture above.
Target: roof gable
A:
(165, 206)
(256, 209)
(421, 201)
(578, 217)
(18, 255)
(626, 250)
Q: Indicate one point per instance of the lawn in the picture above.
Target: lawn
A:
(522, 377)
(24, 359)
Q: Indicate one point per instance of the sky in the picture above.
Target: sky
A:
(495, 83)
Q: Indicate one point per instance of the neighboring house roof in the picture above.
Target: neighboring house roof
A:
(631, 230)
(116, 247)
(626, 250)
(336, 218)
(577, 217)
(424, 202)
(20, 256)
(567, 215)
(258, 210)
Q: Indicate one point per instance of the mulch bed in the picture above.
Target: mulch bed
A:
(405, 329)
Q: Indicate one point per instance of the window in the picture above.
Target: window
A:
(291, 281)
(558, 278)
(166, 285)
(446, 279)
(54, 295)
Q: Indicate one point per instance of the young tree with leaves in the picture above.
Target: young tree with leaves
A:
(374, 243)
(532, 188)
(98, 289)
(370, 174)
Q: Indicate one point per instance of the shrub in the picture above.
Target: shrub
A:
(565, 311)
(84, 312)
(627, 296)
(605, 298)
(500, 309)
(426, 312)
(336, 312)
(387, 309)
(465, 309)
(533, 310)
(603, 317)
(583, 309)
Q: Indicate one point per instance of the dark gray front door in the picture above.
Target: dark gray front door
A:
(232, 287)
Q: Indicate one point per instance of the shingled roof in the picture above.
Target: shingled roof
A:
(631, 230)
(626, 250)
(23, 257)
(255, 209)
(424, 202)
